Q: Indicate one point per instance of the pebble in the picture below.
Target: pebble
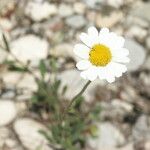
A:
(39, 11)
(19, 80)
(11, 143)
(148, 43)
(91, 16)
(8, 112)
(3, 55)
(92, 3)
(63, 50)
(6, 24)
(4, 134)
(79, 7)
(6, 6)
(147, 62)
(108, 21)
(133, 20)
(137, 54)
(129, 94)
(114, 3)
(109, 137)
(76, 21)
(141, 130)
(65, 10)
(142, 11)
(137, 32)
(28, 132)
(116, 110)
(147, 145)
(129, 146)
(29, 47)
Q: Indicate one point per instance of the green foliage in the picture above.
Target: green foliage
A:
(68, 130)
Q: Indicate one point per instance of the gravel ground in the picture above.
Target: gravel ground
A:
(38, 28)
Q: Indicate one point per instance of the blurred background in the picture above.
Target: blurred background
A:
(40, 29)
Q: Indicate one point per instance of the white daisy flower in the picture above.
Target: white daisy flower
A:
(103, 55)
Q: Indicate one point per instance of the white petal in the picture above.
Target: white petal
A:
(104, 36)
(104, 31)
(93, 35)
(83, 74)
(121, 41)
(111, 71)
(120, 52)
(92, 31)
(117, 69)
(112, 40)
(104, 73)
(83, 64)
(121, 59)
(86, 39)
(110, 79)
(90, 74)
(82, 51)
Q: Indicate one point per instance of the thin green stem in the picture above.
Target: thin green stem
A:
(76, 97)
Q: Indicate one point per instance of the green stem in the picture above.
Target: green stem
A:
(77, 96)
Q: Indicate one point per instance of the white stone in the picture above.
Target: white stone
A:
(148, 43)
(79, 8)
(65, 10)
(110, 20)
(137, 54)
(123, 105)
(115, 110)
(19, 80)
(147, 62)
(29, 47)
(3, 55)
(11, 143)
(133, 20)
(92, 3)
(137, 32)
(129, 146)
(39, 11)
(108, 138)
(6, 24)
(114, 3)
(62, 50)
(4, 134)
(28, 133)
(141, 129)
(8, 112)
(142, 10)
(147, 145)
(76, 21)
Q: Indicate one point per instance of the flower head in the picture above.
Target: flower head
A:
(103, 55)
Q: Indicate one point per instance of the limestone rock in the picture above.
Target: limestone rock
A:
(28, 133)
(40, 11)
(137, 54)
(109, 137)
(8, 112)
(29, 47)
(76, 21)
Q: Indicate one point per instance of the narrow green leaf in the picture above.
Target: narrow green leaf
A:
(42, 68)
(6, 43)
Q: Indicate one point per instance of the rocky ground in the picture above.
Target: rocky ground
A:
(38, 28)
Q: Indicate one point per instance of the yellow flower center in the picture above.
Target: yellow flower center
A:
(100, 55)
